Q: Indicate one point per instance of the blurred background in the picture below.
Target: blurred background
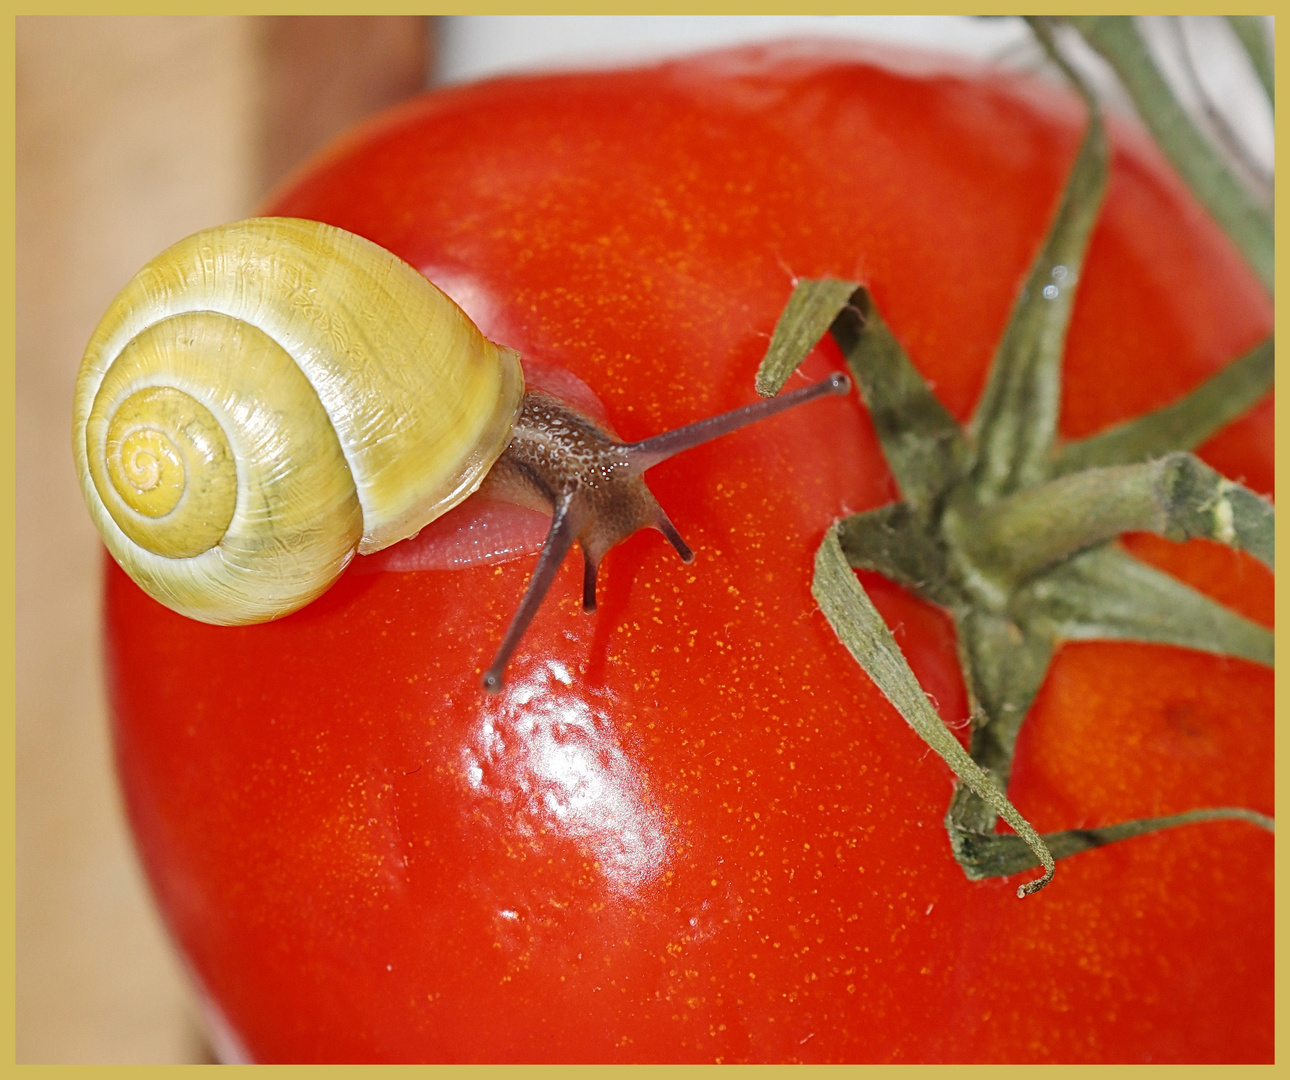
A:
(132, 133)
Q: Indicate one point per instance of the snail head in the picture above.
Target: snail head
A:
(593, 486)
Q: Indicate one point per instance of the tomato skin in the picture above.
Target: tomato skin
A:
(691, 829)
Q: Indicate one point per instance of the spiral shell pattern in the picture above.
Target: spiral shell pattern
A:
(267, 398)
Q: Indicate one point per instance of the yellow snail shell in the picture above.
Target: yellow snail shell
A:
(267, 398)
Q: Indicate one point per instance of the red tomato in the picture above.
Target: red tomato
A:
(692, 829)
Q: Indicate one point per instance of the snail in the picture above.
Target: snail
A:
(267, 399)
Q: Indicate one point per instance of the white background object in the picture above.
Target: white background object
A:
(479, 46)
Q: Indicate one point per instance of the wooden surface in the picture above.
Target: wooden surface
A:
(131, 133)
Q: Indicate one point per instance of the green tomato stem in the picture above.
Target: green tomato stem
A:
(1247, 223)
(1177, 496)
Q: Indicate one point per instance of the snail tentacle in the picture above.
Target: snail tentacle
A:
(590, 567)
(664, 525)
(564, 530)
(658, 448)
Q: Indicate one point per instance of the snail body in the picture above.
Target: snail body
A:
(266, 399)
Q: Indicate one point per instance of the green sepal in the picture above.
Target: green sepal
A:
(1183, 425)
(1015, 424)
(860, 628)
(987, 855)
(811, 309)
(1108, 595)
(924, 446)
(893, 541)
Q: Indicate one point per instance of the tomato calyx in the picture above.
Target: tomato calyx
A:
(1014, 534)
